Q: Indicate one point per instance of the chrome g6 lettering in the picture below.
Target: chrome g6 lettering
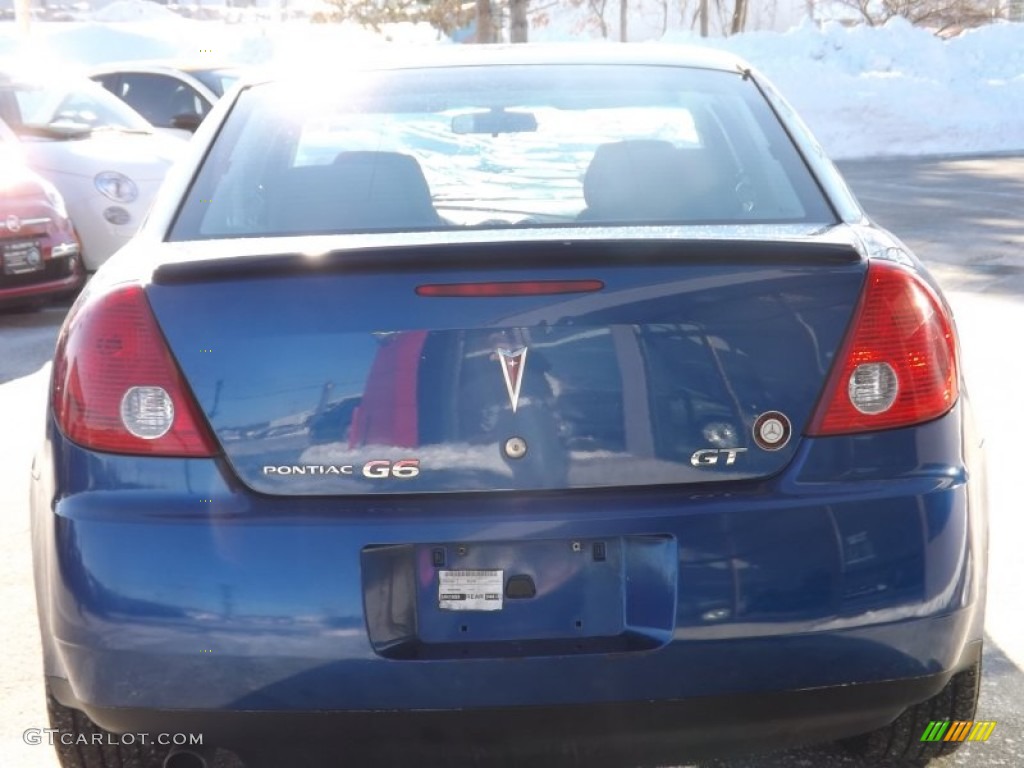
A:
(403, 469)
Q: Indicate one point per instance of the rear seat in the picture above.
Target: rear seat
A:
(358, 191)
(653, 181)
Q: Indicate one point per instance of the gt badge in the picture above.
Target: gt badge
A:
(710, 457)
(512, 366)
(772, 430)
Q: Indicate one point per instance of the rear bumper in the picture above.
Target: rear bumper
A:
(164, 586)
(602, 734)
(62, 275)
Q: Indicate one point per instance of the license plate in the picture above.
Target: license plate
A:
(470, 590)
(22, 257)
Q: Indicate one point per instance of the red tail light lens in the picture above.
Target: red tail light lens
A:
(515, 288)
(116, 387)
(898, 365)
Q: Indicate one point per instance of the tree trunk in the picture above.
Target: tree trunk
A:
(519, 29)
(597, 7)
(703, 18)
(739, 17)
(484, 22)
(23, 13)
(623, 15)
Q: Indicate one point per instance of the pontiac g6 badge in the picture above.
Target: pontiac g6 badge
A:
(376, 469)
(512, 366)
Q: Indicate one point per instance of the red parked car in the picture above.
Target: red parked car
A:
(40, 256)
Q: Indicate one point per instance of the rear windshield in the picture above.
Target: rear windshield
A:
(490, 147)
(29, 106)
(217, 80)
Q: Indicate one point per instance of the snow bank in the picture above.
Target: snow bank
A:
(88, 44)
(894, 90)
(167, 35)
(134, 10)
(327, 44)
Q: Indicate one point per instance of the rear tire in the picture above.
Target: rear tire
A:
(89, 746)
(899, 744)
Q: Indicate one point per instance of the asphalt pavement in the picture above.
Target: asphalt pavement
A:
(964, 217)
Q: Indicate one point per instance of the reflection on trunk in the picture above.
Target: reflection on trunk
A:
(645, 382)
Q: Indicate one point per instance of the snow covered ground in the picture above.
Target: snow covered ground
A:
(895, 90)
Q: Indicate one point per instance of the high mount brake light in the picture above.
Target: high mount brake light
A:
(514, 288)
(116, 387)
(898, 364)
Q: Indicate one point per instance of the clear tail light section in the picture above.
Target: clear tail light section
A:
(898, 364)
(116, 387)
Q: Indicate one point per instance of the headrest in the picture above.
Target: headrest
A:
(383, 189)
(358, 191)
(635, 180)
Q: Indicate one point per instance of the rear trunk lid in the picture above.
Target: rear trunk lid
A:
(668, 361)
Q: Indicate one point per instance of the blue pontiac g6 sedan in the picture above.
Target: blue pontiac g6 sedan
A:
(518, 406)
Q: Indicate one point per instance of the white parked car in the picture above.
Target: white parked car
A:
(105, 158)
(170, 95)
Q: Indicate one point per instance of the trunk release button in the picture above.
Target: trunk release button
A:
(519, 587)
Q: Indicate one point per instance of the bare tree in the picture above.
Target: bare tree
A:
(938, 15)
(597, 9)
(519, 28)
(23, 15)
(445, 15)
(540, 15)
(623, 17)
(739, 17)
(664, 16)
(485, 30)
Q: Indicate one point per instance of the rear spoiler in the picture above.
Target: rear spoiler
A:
(521, 254)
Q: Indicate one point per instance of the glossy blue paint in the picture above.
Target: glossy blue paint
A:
(773, 582)
(620, 387)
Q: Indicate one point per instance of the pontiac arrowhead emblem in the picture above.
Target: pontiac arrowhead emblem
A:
(512, 366)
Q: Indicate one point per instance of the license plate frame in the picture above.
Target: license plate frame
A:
(15, 257)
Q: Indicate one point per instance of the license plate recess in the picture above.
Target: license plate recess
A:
(520, 598)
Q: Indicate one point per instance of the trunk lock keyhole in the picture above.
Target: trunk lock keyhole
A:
(515, 447)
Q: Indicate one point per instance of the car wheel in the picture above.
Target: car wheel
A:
(80, 743)
(900, 743)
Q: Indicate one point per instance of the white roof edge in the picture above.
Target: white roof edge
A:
(426, 57)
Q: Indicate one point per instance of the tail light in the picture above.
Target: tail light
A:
(116, 387)
(898, 365)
